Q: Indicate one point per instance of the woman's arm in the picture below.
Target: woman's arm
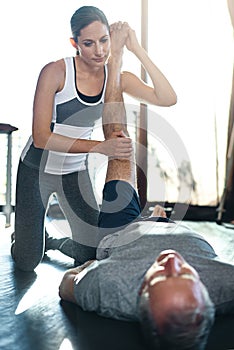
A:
(51, 81)
(162, 93)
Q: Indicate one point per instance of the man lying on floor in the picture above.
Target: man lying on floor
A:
(153, 271)
(137, 276)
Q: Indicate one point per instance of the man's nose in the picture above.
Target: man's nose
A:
(172, 266)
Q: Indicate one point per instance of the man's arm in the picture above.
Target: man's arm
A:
(66, 288)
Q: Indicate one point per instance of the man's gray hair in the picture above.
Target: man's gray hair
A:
(187, 329)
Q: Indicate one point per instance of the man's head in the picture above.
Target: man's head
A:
(176, 310)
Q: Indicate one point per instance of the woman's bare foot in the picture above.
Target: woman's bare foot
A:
(159, 211)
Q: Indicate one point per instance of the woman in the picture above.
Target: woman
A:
(68, 100)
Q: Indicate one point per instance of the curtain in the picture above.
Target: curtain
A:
(226, 206)
(192, 43)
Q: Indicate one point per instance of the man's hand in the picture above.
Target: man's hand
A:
(66, 288)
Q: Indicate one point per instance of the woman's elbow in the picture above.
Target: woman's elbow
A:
(173, 100)
(169, 101)
(40, 141)
(37, 144)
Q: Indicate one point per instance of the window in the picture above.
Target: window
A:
(192, 43)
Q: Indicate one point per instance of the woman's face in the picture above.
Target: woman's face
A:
(94, 44)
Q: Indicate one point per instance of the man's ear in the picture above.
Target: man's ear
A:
(74, 44)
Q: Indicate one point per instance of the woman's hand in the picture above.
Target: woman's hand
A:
(131, 41)
(117, 146)
(123, 35)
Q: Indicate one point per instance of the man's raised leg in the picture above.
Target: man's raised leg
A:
(120, 204)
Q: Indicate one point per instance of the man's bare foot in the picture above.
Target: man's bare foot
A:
(159, 211)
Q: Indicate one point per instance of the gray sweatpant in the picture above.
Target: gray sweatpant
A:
(77, 201)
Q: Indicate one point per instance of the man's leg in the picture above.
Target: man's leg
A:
(114, 113)
(120, 204)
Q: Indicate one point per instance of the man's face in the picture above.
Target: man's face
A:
(172, 285)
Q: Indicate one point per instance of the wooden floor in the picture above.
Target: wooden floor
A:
(33, 317)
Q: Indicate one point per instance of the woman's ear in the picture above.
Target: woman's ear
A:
(74, 44)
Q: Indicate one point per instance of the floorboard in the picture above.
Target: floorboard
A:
(33, 317)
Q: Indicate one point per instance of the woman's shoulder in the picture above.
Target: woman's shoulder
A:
(55, 66)
(54, 73)
(54, 69)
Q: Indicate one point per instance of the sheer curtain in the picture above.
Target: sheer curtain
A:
(192, 42)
